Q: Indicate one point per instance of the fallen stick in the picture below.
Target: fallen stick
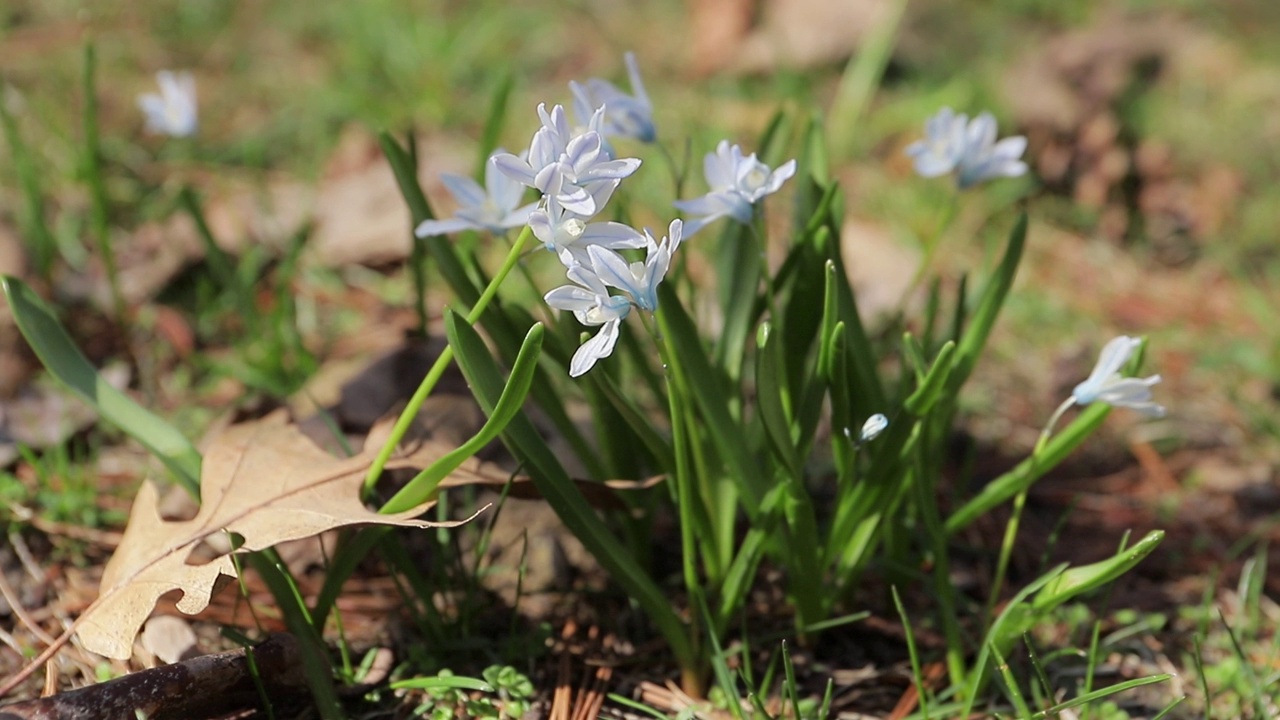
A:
(204, 687)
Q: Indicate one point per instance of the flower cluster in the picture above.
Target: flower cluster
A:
(954, 143)
(589, 300)
(576, 172)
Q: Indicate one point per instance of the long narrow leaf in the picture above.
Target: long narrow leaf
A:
(770, 401)
(931, 387)
(1029, 470)
(421, 487)
(564, 497)
(1108, 691)
(984, 317)
(60, 356)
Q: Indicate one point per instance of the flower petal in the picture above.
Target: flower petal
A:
(514, 167)
(429, 228)
(466, 191)
(600, 346)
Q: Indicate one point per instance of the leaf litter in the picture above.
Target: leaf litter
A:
(265, 483)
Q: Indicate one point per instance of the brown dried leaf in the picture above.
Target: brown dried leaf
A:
(264, 481)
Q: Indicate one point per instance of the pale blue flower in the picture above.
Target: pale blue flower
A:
(589, 299)
(590, 302)
(172, 112)
(954, 143)
(943, 144)
(561, 230)
(638, 279)
(493, 207)
(564, 166)
(986, 159)
(625, 115)
(1105, 384)
(735, 184)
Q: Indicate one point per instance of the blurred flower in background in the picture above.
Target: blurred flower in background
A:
(172, 111)
(625, 115)
(954, 143)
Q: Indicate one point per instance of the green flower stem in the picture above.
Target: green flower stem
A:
(948, 215)
(679, 170)
(758, 229)
(682, 439)
(1019, 502)
(442, 363)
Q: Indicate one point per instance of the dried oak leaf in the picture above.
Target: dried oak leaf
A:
(264, 481)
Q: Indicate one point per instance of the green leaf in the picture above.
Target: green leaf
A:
(830, 318)
(742, 570)
(984, 317)
(1078, 580)
(493, 124)
(931, 388)
(813, 176)
(316, 668)
(60, 356)
(640, 425)
(1089, 697)
(562, 495)
(739, 261)
(914, 354)
(1008, 626)
(773, 140)
(1028, 471)
(220, 263)
(707, 387)
(868, 394)
(424, 484)
(770, 400)
(447, 682)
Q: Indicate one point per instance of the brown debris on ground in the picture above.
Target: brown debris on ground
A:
(1070, 97)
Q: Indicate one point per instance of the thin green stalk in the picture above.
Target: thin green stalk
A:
(1019, 502)
(418, 272)
(428, 384)
(758, 231)
(35, 229)
(916, 672)
(679, 171)
(683, 480)
(931, 245)
(719, 501)
(97, 188)
(1006, 551)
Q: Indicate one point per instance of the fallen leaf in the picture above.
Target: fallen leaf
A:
(265, 482)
